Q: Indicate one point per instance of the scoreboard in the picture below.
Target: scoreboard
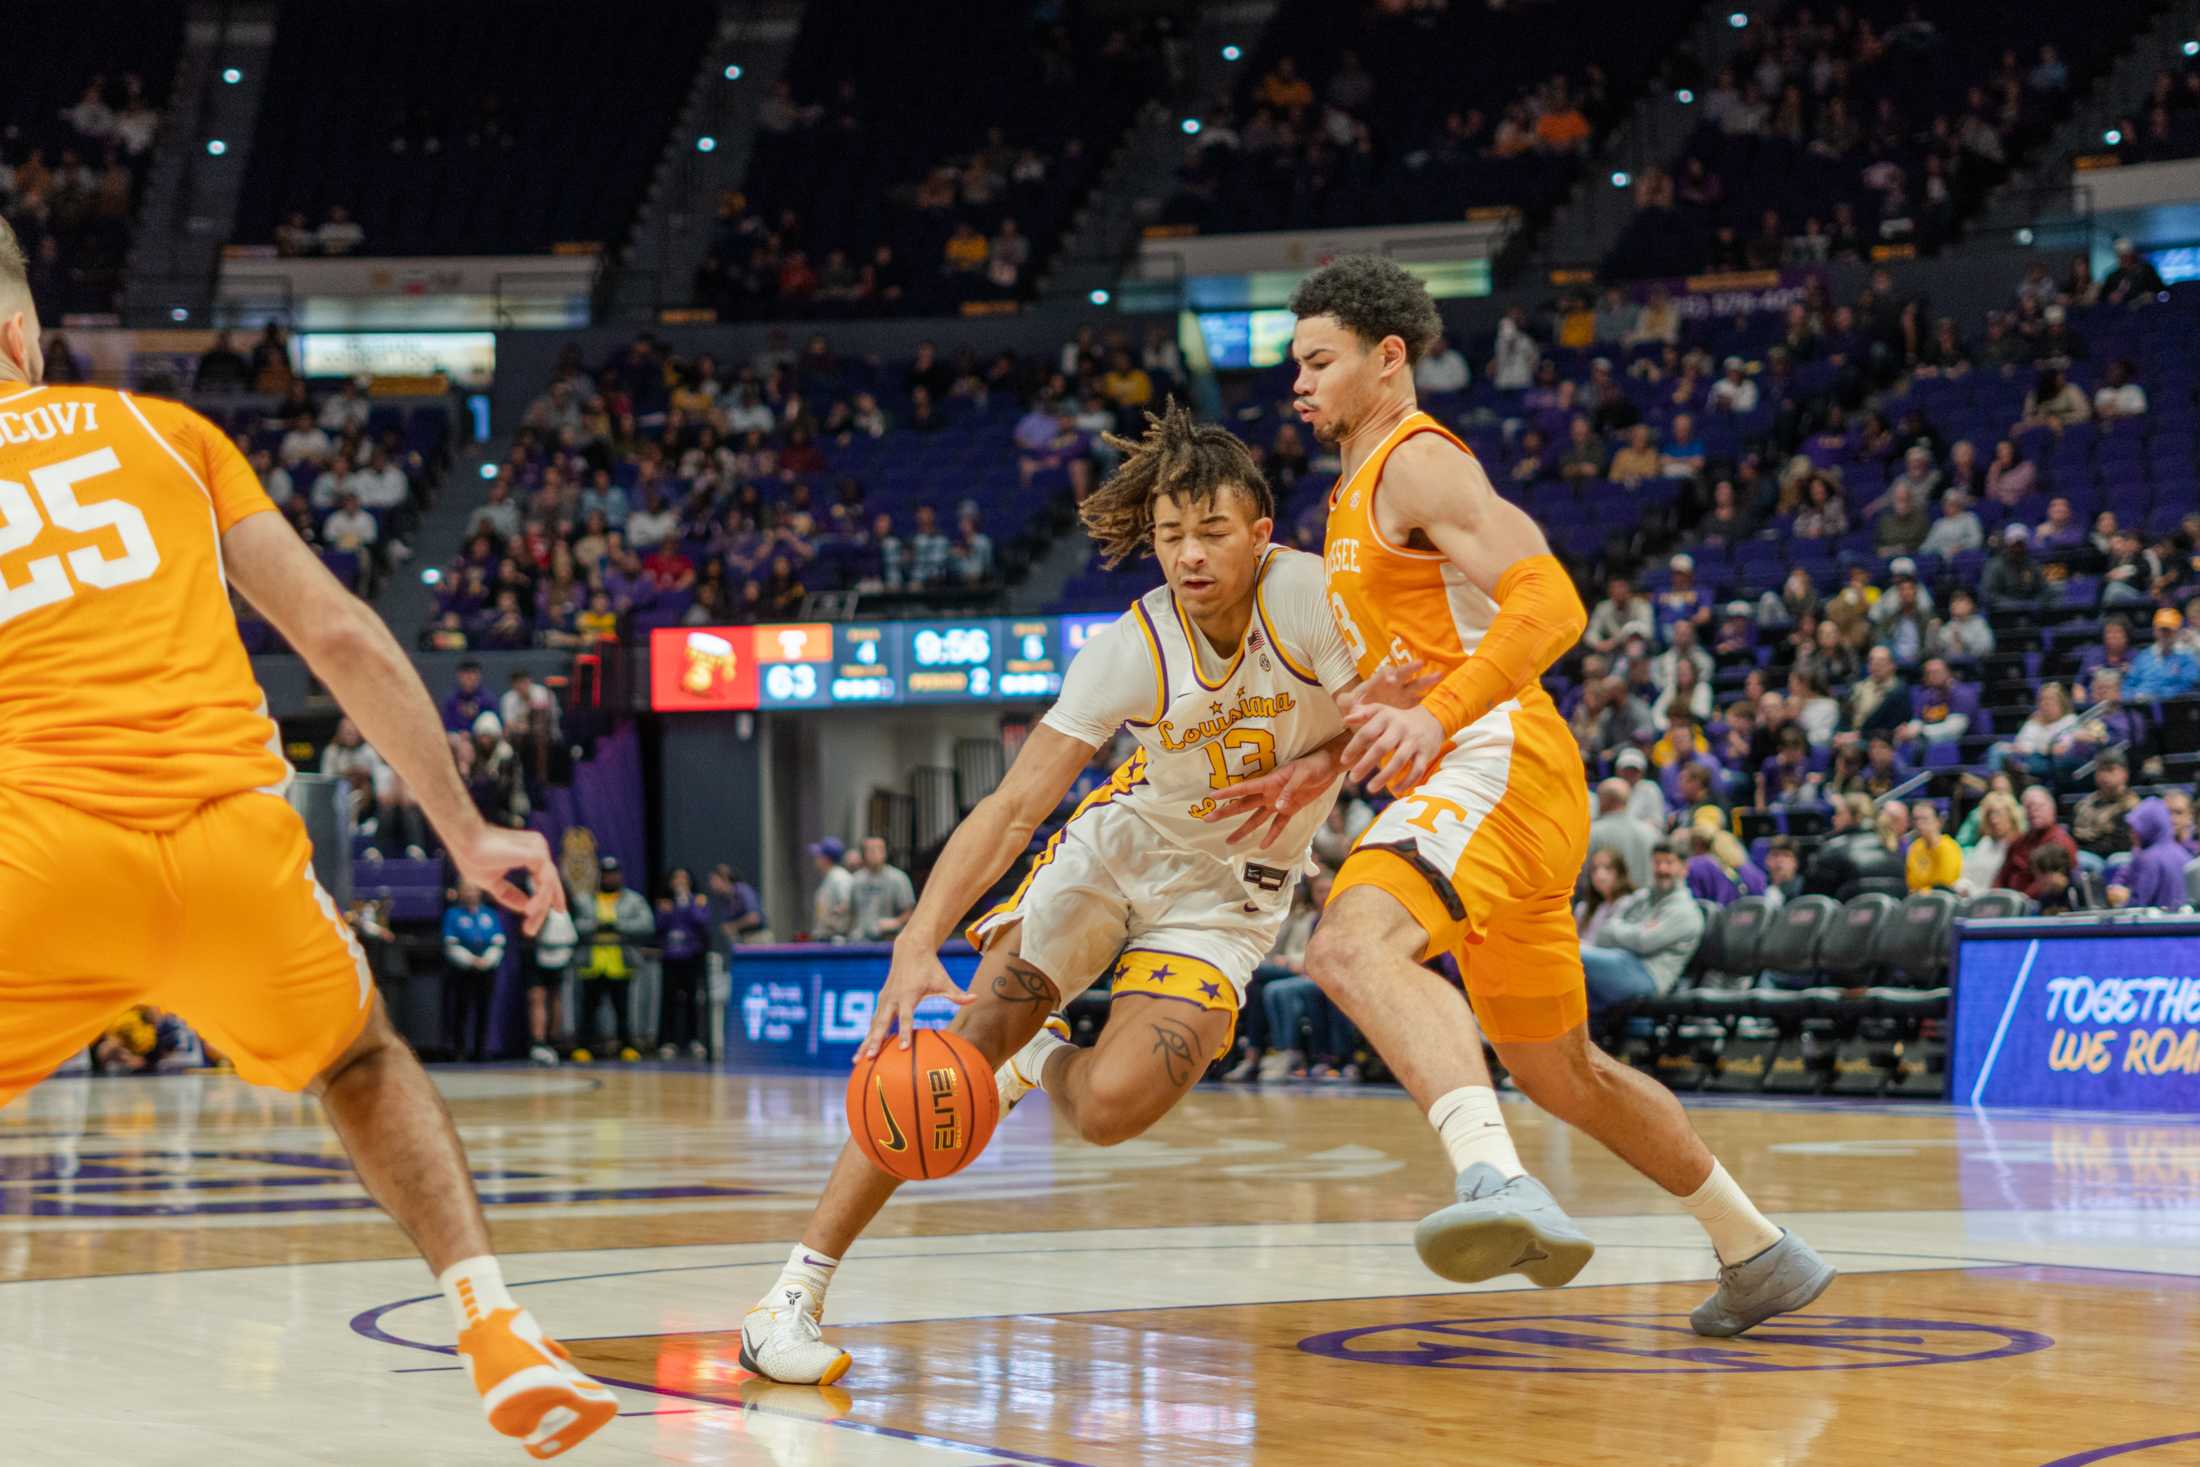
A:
(833, 665)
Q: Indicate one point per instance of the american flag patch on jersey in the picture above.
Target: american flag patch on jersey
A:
(1254, 640)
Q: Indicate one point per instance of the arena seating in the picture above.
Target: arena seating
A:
(1870, 1019)
(126, 50)
(1969, 58)
(1427, 154)
(2164, 121)
(468, 129)
(902, 122)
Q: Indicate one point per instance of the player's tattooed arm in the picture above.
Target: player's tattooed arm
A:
(1023, 984)
(1175, 1043)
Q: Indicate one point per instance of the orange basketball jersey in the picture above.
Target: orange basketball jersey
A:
(124, 690)
(1393, 603)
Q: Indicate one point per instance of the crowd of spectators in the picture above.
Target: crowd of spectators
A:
(1338, 121)
(661, 490)
(1831, 134)
(848, 210)
(69, 186)
(2165, 123)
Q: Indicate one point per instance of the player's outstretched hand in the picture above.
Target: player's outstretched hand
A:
(1391, 748)
(487, 855)
(914, 977)
(1394, 685)
(1273, 798)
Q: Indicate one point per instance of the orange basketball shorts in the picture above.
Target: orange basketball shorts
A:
(219, 921)
(1484, 855)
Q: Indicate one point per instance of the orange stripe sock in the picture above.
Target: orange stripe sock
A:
(475, 1289)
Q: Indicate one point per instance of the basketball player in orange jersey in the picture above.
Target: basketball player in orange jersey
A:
(146, 852)
(1479, 854)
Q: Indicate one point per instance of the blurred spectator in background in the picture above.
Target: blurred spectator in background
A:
(683, 942)
(832, 912)
(2134, 281)
(1643, 947)
(551, 961)
(222, 368)
(608, 924)
(1619, 832)
(1934, 861)
(2156, 875)
(2020, 871)
(736, 907)
(1441, 369)
(491, 769)
(2162, 670)
(2000, 823)
(473, 951)
(881, 895)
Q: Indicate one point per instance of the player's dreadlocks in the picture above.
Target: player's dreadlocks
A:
(1178, 455)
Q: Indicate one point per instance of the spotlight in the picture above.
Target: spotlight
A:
(1685, 97)
(1620, 178)
(232, 76)
(706, 144)
(2114, 137)
(1739, 20)
(488, 471)
(178, 313)
(1100, 296)
(215, 147)
(1232, 53)
(733, 72)
(1191, 126)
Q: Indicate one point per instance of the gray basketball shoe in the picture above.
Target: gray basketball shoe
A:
(1498, 1227)
(1783, 1278)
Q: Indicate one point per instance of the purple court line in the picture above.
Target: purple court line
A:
(2124, 1449)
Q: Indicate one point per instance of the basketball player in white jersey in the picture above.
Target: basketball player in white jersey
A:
(1229, 670)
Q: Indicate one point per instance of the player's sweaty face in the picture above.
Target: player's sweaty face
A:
(1209, 548)
(1337, 374)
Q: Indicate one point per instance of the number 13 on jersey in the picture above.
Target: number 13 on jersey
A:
(21, 524)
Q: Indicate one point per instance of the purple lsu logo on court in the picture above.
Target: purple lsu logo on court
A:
(1663, 1344)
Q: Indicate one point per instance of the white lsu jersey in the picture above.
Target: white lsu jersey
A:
(1138, 878)
(1205, 722)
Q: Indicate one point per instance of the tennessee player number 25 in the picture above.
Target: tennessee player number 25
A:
(21, 524)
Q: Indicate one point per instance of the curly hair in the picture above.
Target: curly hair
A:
(1178, 455)
(1372, 297)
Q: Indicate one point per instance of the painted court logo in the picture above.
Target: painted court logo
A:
(1663, 1344)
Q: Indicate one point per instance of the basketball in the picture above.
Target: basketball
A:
(923, 1112)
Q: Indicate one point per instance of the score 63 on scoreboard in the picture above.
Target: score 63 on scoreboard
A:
(831, 665)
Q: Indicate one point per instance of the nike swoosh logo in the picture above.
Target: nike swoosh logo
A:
(897, 1141)
(813, 1262)
(1530, 1254)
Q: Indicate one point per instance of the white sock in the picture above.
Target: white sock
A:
(1031, 1060)
(1473, 1130)
(807, 1270)
(475, 1289)
(1739, 1232)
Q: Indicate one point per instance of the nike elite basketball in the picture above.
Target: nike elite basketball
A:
(924, 1111)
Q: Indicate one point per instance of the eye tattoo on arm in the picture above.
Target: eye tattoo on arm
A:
(1023, 984)
(1173, 1042)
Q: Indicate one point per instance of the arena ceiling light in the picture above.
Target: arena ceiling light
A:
(215, 147)
(1232, 53)
(733, 73)
(1191, 127)
(706, 144)
(2192, 48)
(1739, 20)
(1620, 178)
(2113, 137)
(1099, 296)
(232, 75)
(1685, 97)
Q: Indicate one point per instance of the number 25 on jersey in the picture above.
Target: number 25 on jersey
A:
(21, 523)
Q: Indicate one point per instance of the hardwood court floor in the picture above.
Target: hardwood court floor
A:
(190, 1276)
